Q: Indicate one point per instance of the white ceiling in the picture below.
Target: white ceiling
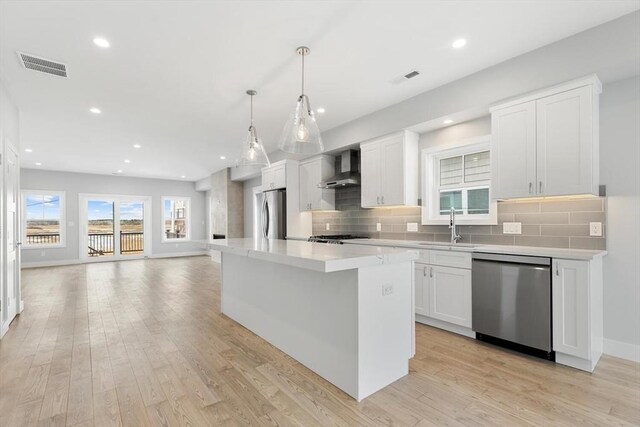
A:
(175, 76)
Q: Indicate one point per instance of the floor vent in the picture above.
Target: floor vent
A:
(42, 65)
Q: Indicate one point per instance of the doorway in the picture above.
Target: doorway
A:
(114, 227)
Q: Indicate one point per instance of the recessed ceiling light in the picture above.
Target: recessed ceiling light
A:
(320, 110)
(183, 176)
(38, 164)
(28, 150)
(223, 158)
(137, 146)
(95, 110)
(127, 161)
(447, 122)
(459, 43)
(99, 41)
(119, 171)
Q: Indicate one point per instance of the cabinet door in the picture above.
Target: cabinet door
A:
(280, 176)
(267, 179)
(450, 295)
(421, 286)
(306, 178)
(392, 166)
(570, 297)
(370, 175)
(513, 151)
(565, 143)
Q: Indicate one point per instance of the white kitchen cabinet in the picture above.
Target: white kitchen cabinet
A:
(450, 295)
(421, 286)
(389, 171)
(274, 177)
(577, 312)
(443, 290)
(546, 144)
(513, 151)
(312, 172)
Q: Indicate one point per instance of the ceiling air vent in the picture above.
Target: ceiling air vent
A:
(411, 74)
(43, 65)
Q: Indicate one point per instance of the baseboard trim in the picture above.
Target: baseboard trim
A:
(41, 264)
(622, 350)
(456, 329)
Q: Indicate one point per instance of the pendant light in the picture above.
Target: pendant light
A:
(253, 153)
(301, 134)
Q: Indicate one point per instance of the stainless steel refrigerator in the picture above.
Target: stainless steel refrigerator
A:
(271, 214)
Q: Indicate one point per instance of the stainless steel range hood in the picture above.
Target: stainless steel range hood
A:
(348, 174)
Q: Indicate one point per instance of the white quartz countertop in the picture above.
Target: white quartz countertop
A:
(576, 254)
(314, 256)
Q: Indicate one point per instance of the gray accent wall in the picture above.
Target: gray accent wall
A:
(74, 184)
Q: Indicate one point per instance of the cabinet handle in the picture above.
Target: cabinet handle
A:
(431, 272)
(310, 206)
(424, 271)
(378, 199)
(541, 187)
(557, 268)
(530, 187)
(382, 199)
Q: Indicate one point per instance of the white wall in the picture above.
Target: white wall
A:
(249, 201)
(620, 171)
(75, 183)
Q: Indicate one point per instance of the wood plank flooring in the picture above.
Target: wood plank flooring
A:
(143, 342)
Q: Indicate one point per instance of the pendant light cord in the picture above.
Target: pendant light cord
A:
(251, 110)
(303, 55)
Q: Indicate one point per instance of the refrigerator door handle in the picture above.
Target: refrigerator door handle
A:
(267, 217)
(264, 216)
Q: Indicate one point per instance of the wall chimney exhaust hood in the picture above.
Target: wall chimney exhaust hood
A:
(349, 172)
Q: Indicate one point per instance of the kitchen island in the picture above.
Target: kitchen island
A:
(344, 311)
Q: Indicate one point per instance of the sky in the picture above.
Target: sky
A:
(98, 209)
(44, 207)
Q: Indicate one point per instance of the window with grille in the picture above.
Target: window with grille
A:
(458, 178)
(43, 219)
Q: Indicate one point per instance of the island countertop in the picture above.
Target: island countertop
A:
(313, 256)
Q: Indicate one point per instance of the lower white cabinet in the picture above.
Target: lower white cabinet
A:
(450, 295)
(577, 312)
(443, 292)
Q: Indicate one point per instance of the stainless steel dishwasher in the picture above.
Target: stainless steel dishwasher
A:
(511, 302)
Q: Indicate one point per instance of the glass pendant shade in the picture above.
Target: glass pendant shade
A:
(301, 134)
(253, 153)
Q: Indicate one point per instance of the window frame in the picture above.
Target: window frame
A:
(63, 214)
(187, 218)
(430, 176)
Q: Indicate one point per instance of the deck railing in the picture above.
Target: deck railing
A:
(98, 242)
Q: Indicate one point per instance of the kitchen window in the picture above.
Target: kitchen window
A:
(43, 219)
(176, 212)
(458, 178)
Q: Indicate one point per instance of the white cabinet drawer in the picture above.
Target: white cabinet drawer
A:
(425, 257)
(450, 259)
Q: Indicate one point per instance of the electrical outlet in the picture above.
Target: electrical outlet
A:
(512, 228)
(595, 229)
(378, 226)
(412, 227)
(327, 226)
(387, 289)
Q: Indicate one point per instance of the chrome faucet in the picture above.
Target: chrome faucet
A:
(452, 226)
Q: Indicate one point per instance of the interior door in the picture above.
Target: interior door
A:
(12, 277)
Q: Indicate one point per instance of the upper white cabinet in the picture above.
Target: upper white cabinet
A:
(546, 144)
(577, 312)
(389, 170)
(274, 177)
(312, 172)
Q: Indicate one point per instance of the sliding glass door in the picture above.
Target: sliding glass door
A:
(114, 227)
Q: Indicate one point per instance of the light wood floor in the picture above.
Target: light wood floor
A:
(143, 343)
